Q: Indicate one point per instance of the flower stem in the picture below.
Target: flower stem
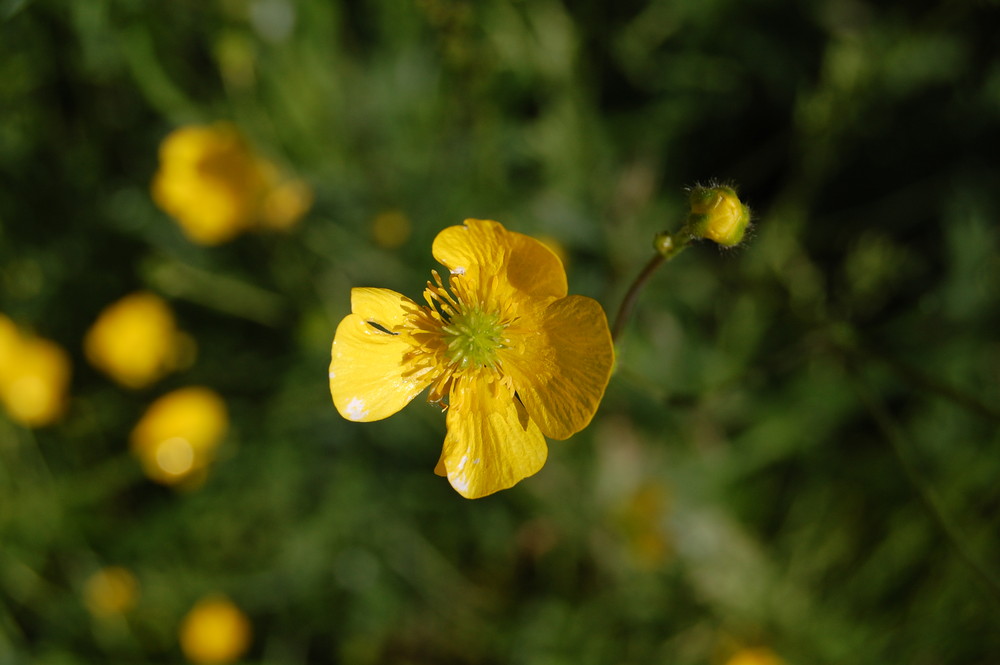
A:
(628, 302)
(667, 247)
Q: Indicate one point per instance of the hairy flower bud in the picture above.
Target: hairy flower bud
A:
(717, 214)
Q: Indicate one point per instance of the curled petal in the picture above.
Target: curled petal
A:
(561, 372)
(481, 249)
(491, 443)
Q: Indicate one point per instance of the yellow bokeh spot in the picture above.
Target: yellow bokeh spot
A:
(135, 340)
(642, 519)
(755, 656)
(237, 58)
(391, 229)
(285, 204)
(215, 186)
(109, 591)
(34, 376)
(179, 433)
(214, 632)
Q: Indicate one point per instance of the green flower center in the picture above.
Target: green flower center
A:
(473, 337)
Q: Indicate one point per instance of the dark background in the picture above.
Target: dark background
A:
(799, 448)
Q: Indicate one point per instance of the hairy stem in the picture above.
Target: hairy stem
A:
(667, 247)
(632, 296)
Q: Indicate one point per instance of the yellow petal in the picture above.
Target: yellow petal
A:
(491, 443)
(369, 379)
(561, 373)
(482, 249)
(382, 306)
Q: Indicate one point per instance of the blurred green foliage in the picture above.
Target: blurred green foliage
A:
(799, 447)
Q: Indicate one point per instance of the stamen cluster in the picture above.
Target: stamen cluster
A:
(456, 334)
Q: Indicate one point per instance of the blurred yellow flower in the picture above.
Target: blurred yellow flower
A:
(642, 519)
(136, 341)
(755, 656)
(34, 376)
(10, 338)
(215, 631)
(284, 204)
(177, 436)
(391, 229)
(516, 358)
(212, 182)
(109, 591)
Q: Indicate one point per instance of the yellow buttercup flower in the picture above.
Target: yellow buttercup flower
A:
(511, 356)
(215, 631)
(177, 436)
(136, 341)
(110, 591)
(216, 186)
(34, 376)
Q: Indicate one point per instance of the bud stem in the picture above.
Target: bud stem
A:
(716, 214)
(667, 247)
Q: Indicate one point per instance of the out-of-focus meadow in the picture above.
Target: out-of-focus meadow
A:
(796, 461)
